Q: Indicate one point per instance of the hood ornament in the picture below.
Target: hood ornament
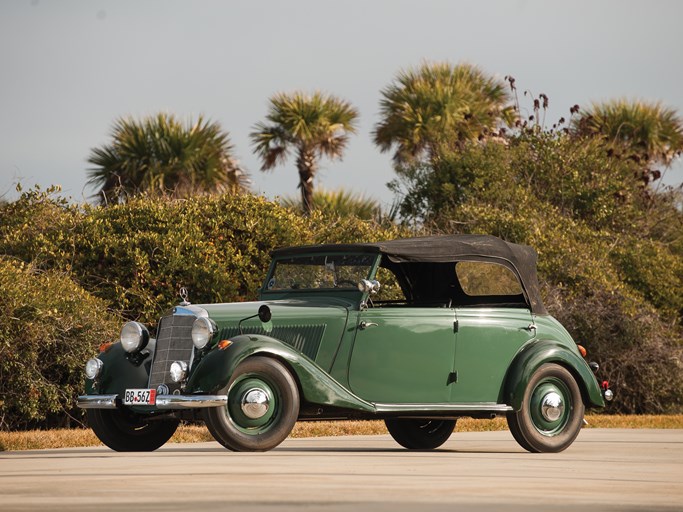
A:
(184, 295)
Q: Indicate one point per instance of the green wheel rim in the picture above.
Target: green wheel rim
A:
(252, 426)
(550, 387)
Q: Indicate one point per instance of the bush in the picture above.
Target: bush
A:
(136, 256)
(613, 280)
(131, 258)
(637, 351)
(49, 327)
(639, 348)
(610, 258)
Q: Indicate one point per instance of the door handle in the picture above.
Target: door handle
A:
(530, 327)
(364, 325)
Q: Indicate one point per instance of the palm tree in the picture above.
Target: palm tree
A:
(162, 156)
(341, 202)
(313, 126)
(439, 103)
(648, 131)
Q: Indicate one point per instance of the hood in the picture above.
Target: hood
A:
(313, 328)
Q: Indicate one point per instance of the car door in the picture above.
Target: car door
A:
(403, 355)
(486, 342)
(491, 329)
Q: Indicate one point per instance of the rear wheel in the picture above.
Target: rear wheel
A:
(123, 431)
(420, 434)
(552, 411)
(263, 406)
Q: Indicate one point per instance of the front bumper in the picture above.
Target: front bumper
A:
(162, 401)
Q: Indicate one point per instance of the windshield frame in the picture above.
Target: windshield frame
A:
(372, 264)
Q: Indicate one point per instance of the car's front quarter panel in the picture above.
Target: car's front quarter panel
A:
(313, 327)
(212, 373)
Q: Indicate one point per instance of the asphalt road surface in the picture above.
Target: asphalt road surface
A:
(604, 470)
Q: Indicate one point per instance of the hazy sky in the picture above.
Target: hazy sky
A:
(70, 68)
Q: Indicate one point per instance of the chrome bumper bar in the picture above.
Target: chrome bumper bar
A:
(162, 401)
(97, 401)
(190, 401)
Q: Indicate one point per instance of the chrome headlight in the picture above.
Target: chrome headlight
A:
(178, 370)
(203, 330)
(93, 368)
(134, 337)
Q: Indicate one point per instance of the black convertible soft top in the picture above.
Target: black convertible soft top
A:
(521, 259)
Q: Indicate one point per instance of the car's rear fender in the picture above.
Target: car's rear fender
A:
(212, 373)
(540, 352)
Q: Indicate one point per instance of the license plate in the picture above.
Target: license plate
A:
(140, 397)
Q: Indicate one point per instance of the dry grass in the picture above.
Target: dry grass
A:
(39, 440)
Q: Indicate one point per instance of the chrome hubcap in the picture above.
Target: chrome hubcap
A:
(552, 406)
(255, 403)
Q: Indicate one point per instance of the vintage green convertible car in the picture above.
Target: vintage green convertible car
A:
(457, 329)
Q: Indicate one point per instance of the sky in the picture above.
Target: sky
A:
(69, 69)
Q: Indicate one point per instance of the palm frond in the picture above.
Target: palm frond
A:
(340, 202)
(161, 155)
(437, 103)
(648, 130)
(311, 125)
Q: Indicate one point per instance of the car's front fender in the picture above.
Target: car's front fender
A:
(540, 352)
(212, 373)
(120, 370)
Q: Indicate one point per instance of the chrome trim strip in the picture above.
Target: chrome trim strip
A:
(162, 401)
(441, 408)
(189, 310)
(96, 401)
(190, 401)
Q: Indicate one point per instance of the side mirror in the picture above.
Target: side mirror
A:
(264, 314)
(367, 286)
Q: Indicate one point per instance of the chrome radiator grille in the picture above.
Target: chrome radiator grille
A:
(304, 338)
(174, 343)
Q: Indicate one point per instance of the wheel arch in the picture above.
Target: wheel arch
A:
(315, 385)
(540, 352)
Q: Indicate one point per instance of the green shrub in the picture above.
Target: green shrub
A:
(638, 353)
(49, 327)
(610, 258)
(613, 280)
(131, 258)
(137, 255)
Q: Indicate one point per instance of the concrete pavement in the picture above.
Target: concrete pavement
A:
(604, 470)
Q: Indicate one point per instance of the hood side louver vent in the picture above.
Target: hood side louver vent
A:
(304, 338)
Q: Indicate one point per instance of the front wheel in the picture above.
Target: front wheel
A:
(552, 411)
(127, 432)
(263, 406)
(420, 434)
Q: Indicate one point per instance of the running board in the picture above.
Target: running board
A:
(444, 408)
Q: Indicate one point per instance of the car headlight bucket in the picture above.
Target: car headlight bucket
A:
(93, 368)
(203, 330)
(134, 337)
(178, 371)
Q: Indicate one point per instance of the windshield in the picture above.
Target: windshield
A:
(320, 272)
